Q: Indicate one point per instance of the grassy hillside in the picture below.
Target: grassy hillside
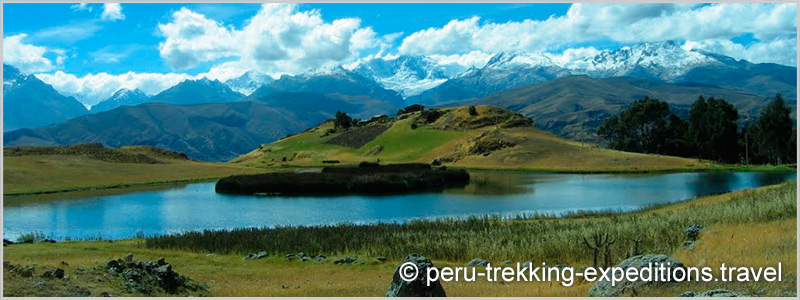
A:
(29, 170)
(493, 138)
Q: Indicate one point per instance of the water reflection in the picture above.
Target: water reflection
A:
(197, 206)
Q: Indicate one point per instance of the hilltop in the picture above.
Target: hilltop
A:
(486, 137)
(33, 170)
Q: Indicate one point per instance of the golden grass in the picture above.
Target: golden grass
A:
(52, 173)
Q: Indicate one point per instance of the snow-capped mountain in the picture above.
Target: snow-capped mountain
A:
(666, 62)
(406, 74)
(197, 91)
(121, 97)
(248, 82)
(29, 102)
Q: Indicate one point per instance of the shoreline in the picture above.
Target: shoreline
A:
(577, 214)
(713, 168)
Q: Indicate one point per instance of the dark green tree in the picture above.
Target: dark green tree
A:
(342, 121)
(776, 133)
(712, 131)
(647, 126)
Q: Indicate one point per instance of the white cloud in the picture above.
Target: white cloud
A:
(782, 51)
(476, 59)
(81, 7)
(67, 34)
(622, 23)
(93, 88)
(278, 39)
(28, 58)
(112, 12)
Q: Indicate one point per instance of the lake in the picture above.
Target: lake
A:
(116, 215)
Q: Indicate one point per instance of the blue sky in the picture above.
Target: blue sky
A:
(90, 51)
(137, 35)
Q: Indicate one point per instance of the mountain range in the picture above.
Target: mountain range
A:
(575, 106)
(665, 62)
(120, 98)
(569, 98)
(29, 102)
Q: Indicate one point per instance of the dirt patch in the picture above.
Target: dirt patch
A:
(357, 137)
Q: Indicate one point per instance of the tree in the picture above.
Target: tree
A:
(712, 131)
(342, 120)
(776, 132)
(647, 126)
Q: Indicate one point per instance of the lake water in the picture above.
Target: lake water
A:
(196, 206)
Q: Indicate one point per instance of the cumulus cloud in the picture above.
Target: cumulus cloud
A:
(279, 38)
(622, 23)
(476, 59)
(93, 88)
(27, 57)
(781, 51)
(112, 12)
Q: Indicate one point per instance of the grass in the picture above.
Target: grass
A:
(747, 228)
(449, 139)
(32, 174)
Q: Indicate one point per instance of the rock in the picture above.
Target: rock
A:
(301, 254)
(113, 266)
(345, 260)
(418, 287)
(305, 258)
(321, 258)
(24, 271)
(105, 294)
(382, 259)
(436, 162)
(48, 241)
(290, 256)
(506, 262)
(713, 293)
(128, 257)
(692, 231)
(58, 273)
(604, 289)
(478, 263)
(63, 263)
(161, 261)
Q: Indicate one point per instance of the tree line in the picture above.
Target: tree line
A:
(711, 131)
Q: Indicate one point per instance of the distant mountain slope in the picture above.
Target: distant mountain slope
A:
(665, 62)
(197, 91)
(29, 102)
(212, 132)
(121, 97)
(332, 81)
(575, 106)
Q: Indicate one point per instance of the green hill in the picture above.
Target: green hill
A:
(491, 137)
(28, 170)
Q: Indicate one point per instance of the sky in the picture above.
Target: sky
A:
(91, 50)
